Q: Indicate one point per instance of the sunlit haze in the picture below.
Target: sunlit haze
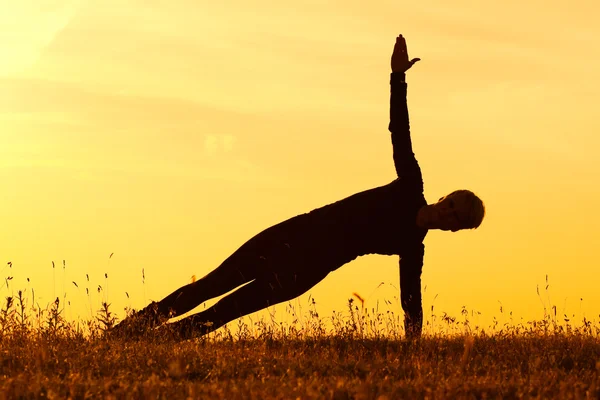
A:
(169, 133)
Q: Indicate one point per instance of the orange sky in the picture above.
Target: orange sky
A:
(169, 135)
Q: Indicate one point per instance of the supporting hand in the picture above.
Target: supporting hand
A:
(400, 62)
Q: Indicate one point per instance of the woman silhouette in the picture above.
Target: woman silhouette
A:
(285, 260)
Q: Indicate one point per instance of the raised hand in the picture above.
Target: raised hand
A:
(400, 62)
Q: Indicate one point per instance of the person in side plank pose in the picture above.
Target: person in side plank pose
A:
(285, 260)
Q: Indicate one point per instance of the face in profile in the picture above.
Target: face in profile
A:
(452, 212)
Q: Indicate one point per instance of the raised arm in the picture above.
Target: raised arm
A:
(406, 164)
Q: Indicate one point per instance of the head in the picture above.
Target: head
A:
(461, 209)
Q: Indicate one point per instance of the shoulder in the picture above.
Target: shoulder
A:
(408, 184)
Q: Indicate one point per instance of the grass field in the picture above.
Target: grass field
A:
(353, 355)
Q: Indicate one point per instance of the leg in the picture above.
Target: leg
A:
(241, 267)
(249, 262)
(264, 252)
(226, 277)
(268, 290)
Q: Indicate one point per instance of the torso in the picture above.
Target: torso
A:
(377, 221)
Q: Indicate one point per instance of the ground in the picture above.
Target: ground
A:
(353, 360)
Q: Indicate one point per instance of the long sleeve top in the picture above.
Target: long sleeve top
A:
(381, 220)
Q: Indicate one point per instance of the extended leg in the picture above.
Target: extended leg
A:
(265, 291)
(249, 262)
(241, 267)
(226, 277)
(263, 253)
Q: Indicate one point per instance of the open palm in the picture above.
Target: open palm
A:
(400, 62)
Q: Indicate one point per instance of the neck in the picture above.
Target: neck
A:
(422, 220)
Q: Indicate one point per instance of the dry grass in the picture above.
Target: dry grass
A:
(351, 355)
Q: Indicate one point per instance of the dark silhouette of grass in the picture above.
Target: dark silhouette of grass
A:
(355, 354)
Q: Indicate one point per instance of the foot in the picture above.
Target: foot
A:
(139, 323)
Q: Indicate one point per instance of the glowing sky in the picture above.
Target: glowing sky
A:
(168, 133)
